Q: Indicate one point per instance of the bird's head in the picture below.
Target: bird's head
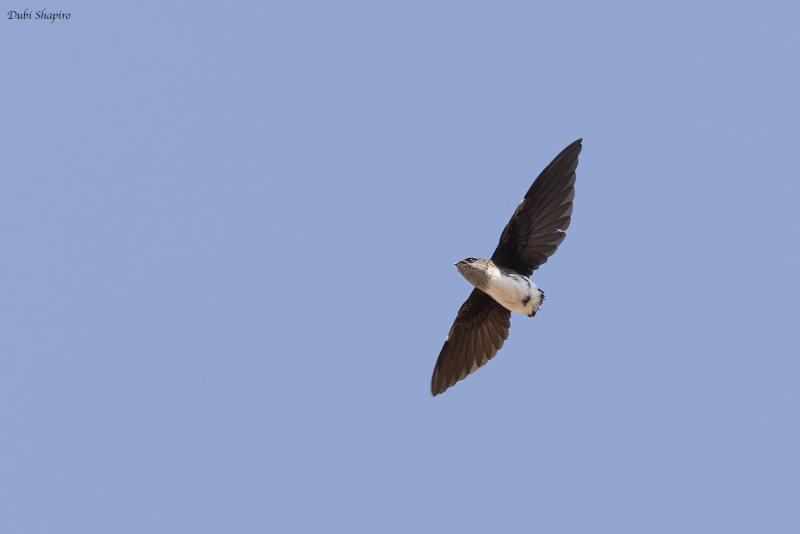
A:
(475, 270)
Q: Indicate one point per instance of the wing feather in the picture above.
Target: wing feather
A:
(480, 329)
(538, 224)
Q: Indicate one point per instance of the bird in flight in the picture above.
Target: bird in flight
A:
(502, 283)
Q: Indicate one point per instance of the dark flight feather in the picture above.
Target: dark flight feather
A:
(537, 226)
(480, 329)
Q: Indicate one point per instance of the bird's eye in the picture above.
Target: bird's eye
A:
(470, 260)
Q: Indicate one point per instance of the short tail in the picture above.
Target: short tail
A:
(541, 299)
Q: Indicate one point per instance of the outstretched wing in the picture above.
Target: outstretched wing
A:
(480, 329)
(537, 226)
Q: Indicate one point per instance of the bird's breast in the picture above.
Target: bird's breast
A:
(514, 292)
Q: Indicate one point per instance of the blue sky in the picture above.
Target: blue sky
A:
(228, 240)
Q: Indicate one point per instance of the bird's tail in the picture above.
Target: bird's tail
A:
(541, 299)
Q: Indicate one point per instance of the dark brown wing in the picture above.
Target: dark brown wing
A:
(480, 329)
(537, 227)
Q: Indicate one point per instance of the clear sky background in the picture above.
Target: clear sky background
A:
(228, 235)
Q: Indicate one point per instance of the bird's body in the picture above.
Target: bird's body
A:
(502, 283)
(514, 291)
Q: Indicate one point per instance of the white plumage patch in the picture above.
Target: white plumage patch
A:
(515, 292)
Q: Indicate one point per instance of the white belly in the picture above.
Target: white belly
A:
(516, 292)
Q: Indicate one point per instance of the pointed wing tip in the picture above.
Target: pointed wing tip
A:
(578, 143)
(439, 382)
(434, 389)
(575, 146)
(437, 389)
